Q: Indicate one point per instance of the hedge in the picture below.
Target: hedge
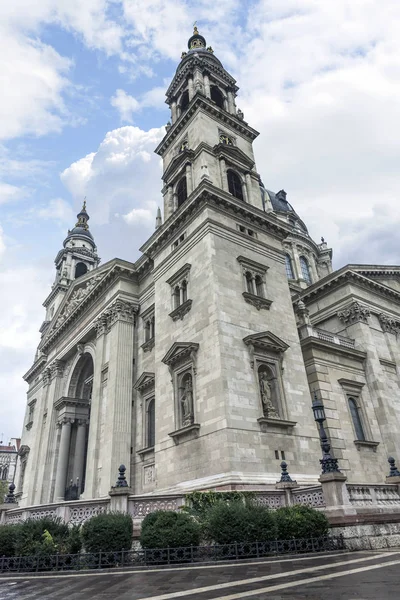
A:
(163, 529)
(300, 522)
(107, 532)
(236, 522)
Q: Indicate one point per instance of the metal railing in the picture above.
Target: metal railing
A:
(168, 556)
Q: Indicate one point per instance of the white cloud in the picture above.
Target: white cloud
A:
(57, 210)
(123, 176)
(2, 242)
(9, 193)
(125, 104)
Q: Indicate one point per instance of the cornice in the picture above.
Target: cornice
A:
(341, 277)
(313, 342)
(35, 369)
(114, 272)
(208, 194)
(57, 288)
(201, 102)
(208, 62)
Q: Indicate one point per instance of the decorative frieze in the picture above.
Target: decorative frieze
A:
(77, 297)
(388, 324)
(354, 313)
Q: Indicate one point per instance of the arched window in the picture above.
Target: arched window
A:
(181, 191)
(355, 415)
(217, 96)
(80, 269)
(289, 267)
(184, 103)
(4, 473)
(249, 282)
(259, 286)
(305, 269)
(235, 185)
(151, 423)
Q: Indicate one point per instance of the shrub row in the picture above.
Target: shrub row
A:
(109, 532)
(227, 523)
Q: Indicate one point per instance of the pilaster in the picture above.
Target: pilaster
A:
(120, 380)
(101, 325)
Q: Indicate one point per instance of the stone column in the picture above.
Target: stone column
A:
(296, 262)
(120, 379)
(44, 464)
(173, 111)
(168, 203)
(62, 463)
(207, 89)
(79, 461)
(93, 449)
(189, 181)
(224, 180)
(191, 88)
(175, 201)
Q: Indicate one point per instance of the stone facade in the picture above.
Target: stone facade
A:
(194, 366)
(8, 460)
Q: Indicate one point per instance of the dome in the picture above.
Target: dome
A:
(79, 231)
(281, 205)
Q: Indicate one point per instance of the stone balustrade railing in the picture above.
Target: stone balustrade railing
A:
(326, 336)
(373, 495)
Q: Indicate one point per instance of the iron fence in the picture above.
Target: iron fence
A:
(168, 556)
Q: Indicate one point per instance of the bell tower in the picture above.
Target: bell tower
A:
(78, 256)
(207, 137)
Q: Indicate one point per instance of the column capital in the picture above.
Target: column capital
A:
(122, 310)
(57, 368)
(64, 421)
(47, 376)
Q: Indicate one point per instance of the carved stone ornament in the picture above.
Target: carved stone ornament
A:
(354, 313)
(267, 391)
(145, 382)
(389, 324)
(181, 311)
(149, 345)
(257, 301)
(120, 310)
(77, 297)
(57, 368)
(302, 313)
(47, 376)
(180, 351)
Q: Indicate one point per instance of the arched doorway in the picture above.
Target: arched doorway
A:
(73, 420)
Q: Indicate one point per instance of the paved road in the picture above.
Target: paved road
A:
(342, 576)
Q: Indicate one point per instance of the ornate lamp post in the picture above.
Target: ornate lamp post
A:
(328, 463)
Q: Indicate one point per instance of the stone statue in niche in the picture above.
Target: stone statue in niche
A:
(268, 394)
(186, 400)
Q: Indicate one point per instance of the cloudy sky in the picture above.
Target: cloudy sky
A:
(82, 109)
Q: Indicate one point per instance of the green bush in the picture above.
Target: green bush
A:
(300, 522)
(73, 542)
(7, 540)
(40, 536)
(199, 503)
(169, 529)
(108, 532)
(236, 522)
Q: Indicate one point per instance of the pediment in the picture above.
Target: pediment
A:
(145, 381)
(76, 296)
(235, 154)
(178, 161)
(266, 341)
(179, 351)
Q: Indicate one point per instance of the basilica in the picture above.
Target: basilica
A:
(196, 365)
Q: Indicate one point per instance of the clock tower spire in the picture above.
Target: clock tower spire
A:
(207, 137)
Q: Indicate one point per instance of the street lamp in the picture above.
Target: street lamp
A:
(328, 463)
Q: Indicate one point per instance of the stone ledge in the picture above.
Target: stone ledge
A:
(181, 311)
(148, 346)
(257, 301)
(367, 444)
(266, 424)
(146, 453)
(184, 434)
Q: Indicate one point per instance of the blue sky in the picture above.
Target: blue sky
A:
(82, 109)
